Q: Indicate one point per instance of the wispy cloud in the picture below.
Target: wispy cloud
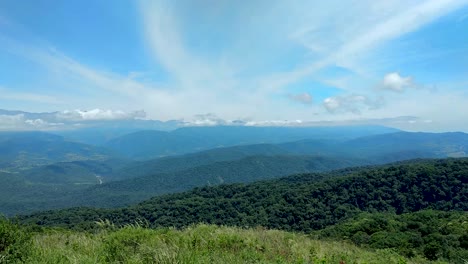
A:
(8, 94)
(369, 36)
(125, 90)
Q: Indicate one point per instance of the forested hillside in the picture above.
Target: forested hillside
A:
(302, 203)
(89, 172)
(192, 160)
(24, 150)
(52, 190)
(249, 169)
(433, 234)
(91, 179)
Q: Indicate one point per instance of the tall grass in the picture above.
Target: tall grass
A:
(198, 244)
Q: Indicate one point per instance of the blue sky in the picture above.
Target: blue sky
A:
(397, 63)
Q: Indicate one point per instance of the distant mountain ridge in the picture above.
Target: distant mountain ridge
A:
(387, 147)
(21, 150)
(152, 144)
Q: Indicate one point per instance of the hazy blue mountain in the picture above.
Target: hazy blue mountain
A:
(22, 150)
(411, 145)
(387, 147)
(89, 172)
(191, 160)
(98, 133)
(150, 144)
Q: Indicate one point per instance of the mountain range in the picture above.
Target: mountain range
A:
(60, 173)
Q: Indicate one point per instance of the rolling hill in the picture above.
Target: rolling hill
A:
(110, 183)
(52, 190)
(89, 172)
(304, 202)
(249, 169)
(23, 150)
(387, 147)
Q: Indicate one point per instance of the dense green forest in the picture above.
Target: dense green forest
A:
(303, 202)
(432, 234)
(62, 185)
(245, 170)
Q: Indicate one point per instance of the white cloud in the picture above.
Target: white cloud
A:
(304, 98)
(11, 121)
(35, 122)
(14, 120)
(98, 115)
(275, 123)
(19, 122)
(395, 82)
(350, 103)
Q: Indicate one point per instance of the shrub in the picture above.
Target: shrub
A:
(15, 241)
(432, 251)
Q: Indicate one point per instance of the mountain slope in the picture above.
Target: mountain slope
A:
(22, 150)
(387, 147)
(192, 160)
(76, 172)
(48, 192)
(245, 170)
(152, 143)
(304, 203)
(408, 145)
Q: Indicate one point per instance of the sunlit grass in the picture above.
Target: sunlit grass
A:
(199, 244)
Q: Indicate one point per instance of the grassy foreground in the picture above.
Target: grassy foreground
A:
(197, 244)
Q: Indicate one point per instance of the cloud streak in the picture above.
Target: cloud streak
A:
(26, 96)
(370, 36)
